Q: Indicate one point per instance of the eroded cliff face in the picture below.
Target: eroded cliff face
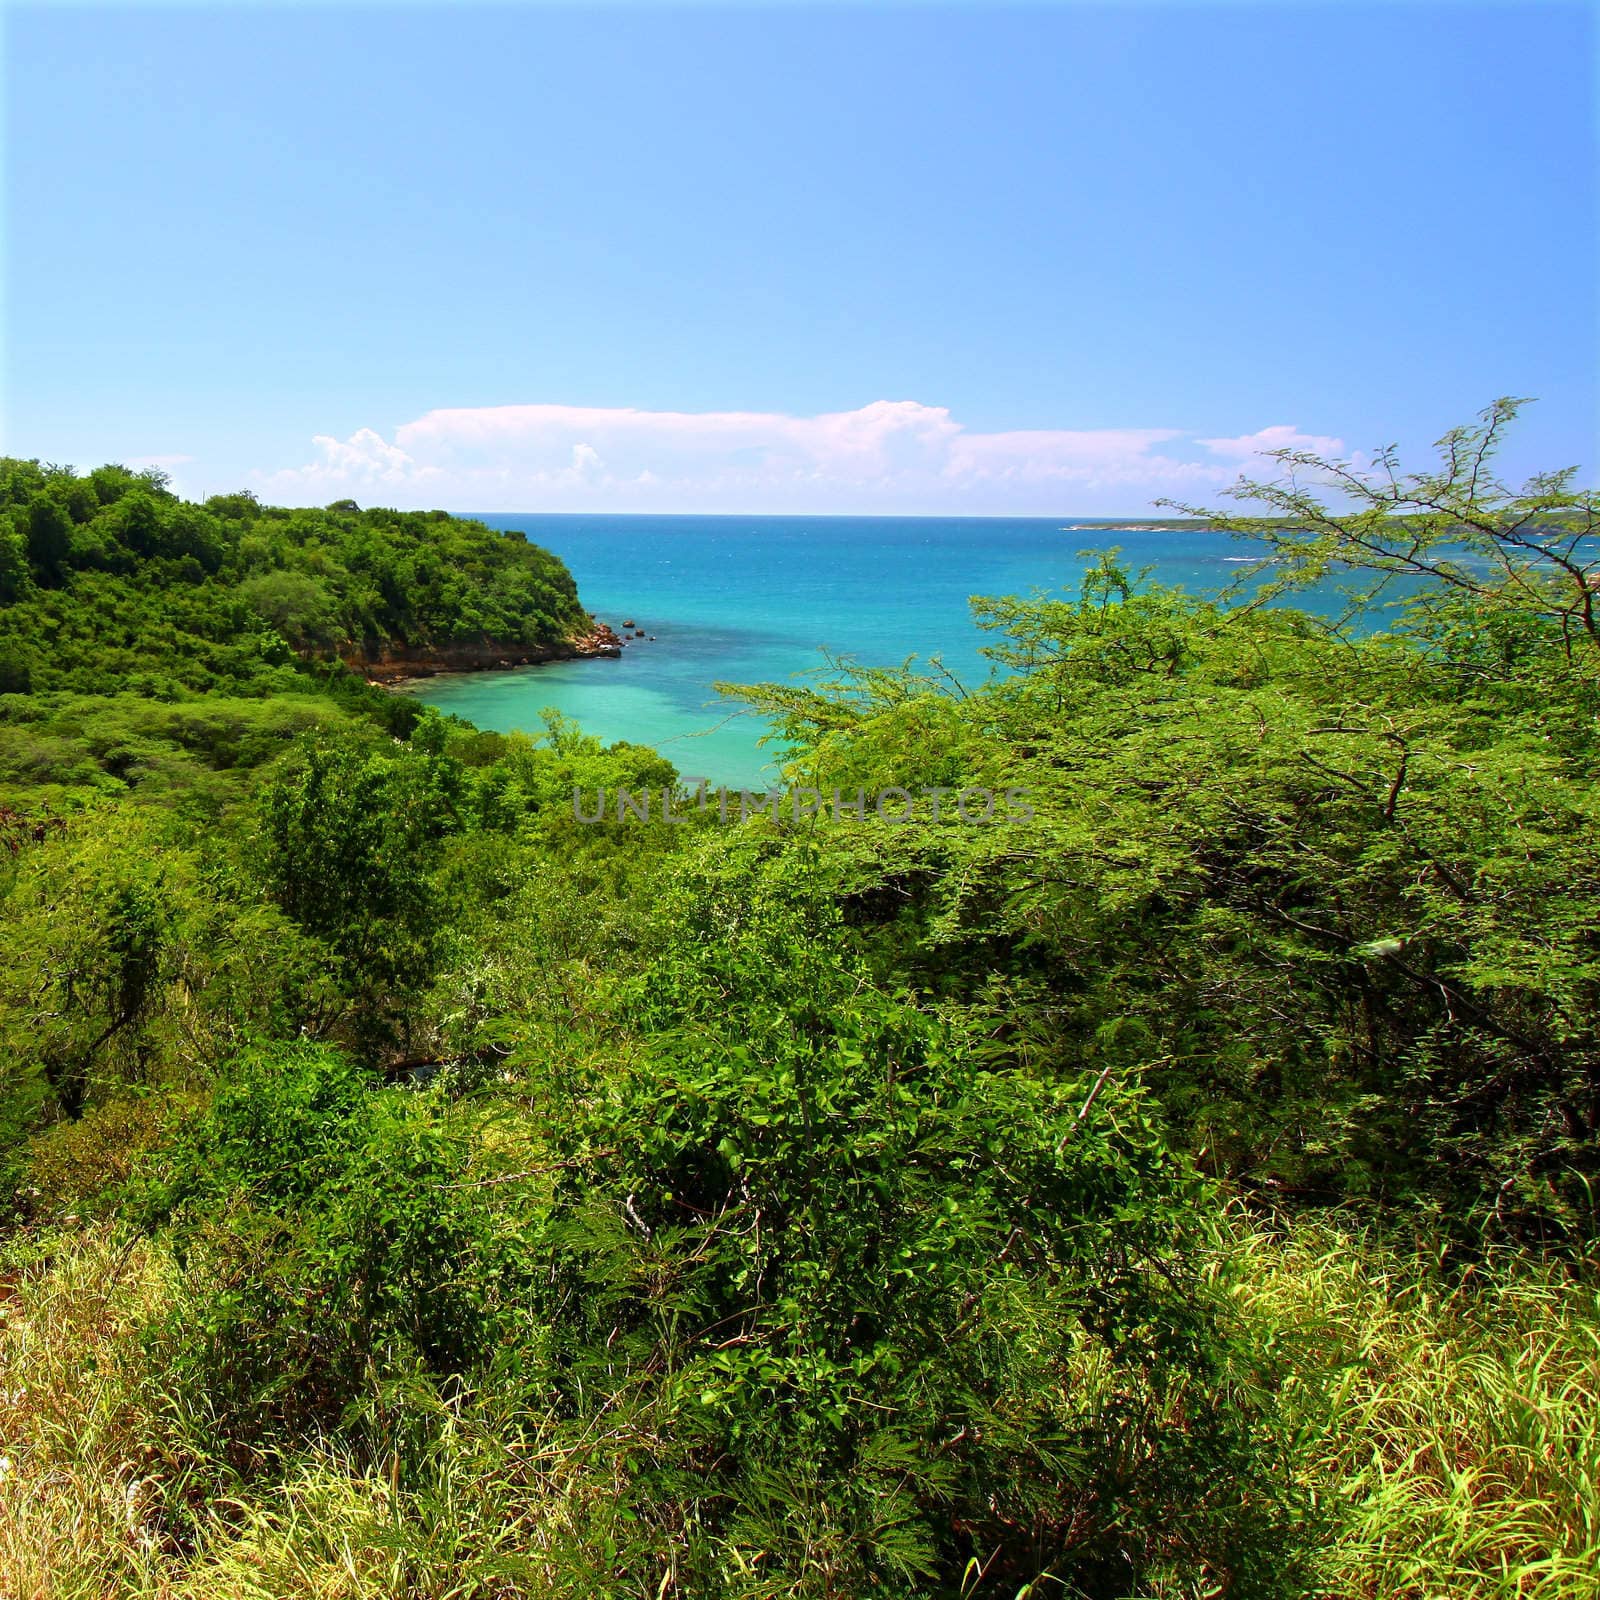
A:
(388, 661)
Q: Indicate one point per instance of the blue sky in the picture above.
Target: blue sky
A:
(849, 258)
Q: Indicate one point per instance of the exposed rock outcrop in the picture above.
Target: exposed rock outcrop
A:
(389, 660)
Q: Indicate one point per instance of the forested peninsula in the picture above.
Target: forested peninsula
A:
(1184, 1185)
(112, 582)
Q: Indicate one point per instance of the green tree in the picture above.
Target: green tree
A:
(351, 838)
(297, 605)
(16, 666)
(1337, 892)
(1498, 565)
(49, 534)
(14, 575)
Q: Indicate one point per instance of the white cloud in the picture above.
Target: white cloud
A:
(1281, 437)
(891, 456)
(364, 459)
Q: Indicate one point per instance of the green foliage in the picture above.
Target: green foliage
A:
(115, 583)
(16, 667)
(79, 1166)
(1348, 902)
(1511, 574)
(326, 1234)
(294, 603)
(350, 838)
(15, 577)
(878, 1310)
(133, 959)
(198, 756)
(417, 1191)
(48, 530)
(1454, 1417)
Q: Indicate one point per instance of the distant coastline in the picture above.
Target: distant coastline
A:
(1128, 525)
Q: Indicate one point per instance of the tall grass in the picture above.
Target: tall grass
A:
(114, 1482)
(83, 1454)
(1449, 1423)
(1453, 1420)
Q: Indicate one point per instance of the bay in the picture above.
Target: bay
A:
(759, 599)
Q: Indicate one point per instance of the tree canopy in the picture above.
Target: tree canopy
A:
(108, 579)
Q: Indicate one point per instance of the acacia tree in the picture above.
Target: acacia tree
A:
(1336, 894)
(1525, 560)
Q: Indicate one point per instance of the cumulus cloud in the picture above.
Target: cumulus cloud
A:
(891, 455)
(1281, 437)
(366, 458)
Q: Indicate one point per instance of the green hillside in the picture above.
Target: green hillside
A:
(109, 581)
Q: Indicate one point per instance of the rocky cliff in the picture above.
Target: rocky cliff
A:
(388, 660)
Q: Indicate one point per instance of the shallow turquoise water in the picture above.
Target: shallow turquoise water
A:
(757, 599)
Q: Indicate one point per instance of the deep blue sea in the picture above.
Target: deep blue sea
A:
(758, 599)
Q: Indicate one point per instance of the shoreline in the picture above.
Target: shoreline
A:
(389, 665)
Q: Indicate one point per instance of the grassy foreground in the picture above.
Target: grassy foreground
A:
(1450, 1427)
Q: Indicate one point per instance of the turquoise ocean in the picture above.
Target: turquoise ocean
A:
(760, 599)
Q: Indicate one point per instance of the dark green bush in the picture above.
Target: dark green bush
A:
(349, 838)
(875, 1311)
(328, 1238)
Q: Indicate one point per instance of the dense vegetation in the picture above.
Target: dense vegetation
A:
(1187, 1189)
(111, 582)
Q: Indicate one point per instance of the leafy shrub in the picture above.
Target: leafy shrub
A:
(350, 837)
(296, 604)
(15, 577)
(16, 666)
(328, 1237)
(877, 1312)
(79, 1166)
